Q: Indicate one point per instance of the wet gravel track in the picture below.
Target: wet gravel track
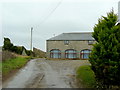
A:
(42, 73)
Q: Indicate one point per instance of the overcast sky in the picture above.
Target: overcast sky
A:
(49, 17)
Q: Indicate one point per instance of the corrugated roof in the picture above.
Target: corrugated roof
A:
(74, 36)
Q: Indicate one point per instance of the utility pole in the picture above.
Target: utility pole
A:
(31, 39)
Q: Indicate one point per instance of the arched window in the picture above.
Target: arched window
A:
(70, 53)
(55, 53)
(85, 54)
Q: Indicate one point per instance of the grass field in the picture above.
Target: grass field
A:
(86, 76)
(13, 64)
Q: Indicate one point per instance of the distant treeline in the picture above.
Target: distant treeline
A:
(16, 49)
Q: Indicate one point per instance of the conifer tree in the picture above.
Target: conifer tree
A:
(105, 56)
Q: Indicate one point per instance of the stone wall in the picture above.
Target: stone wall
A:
(39, 53)
(76, 45)
(6, 55)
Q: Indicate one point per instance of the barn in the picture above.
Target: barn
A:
(70, 45)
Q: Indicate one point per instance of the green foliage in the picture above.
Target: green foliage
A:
(30, 53)
(7, 44)
(17, 49)
(105, 24)
(13, 64)
(86, 76)
(105, 56)
(20, 50)
(0, 67)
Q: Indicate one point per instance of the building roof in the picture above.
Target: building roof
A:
(73, 36)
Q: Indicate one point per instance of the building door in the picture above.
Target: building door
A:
(85, 54)
(70, 53)
(55, 53)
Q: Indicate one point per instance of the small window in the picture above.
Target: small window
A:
(66, 42)
(90, 42)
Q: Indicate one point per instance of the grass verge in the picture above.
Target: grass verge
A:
(13, 64)
(0, 66)
(86, 76)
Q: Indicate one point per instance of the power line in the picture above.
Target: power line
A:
(53, 10)
(59, 3)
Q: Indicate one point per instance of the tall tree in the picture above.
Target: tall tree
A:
(105, 56)
(7, 44)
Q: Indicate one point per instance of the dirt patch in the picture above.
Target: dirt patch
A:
(35, 82)
(11, 74)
